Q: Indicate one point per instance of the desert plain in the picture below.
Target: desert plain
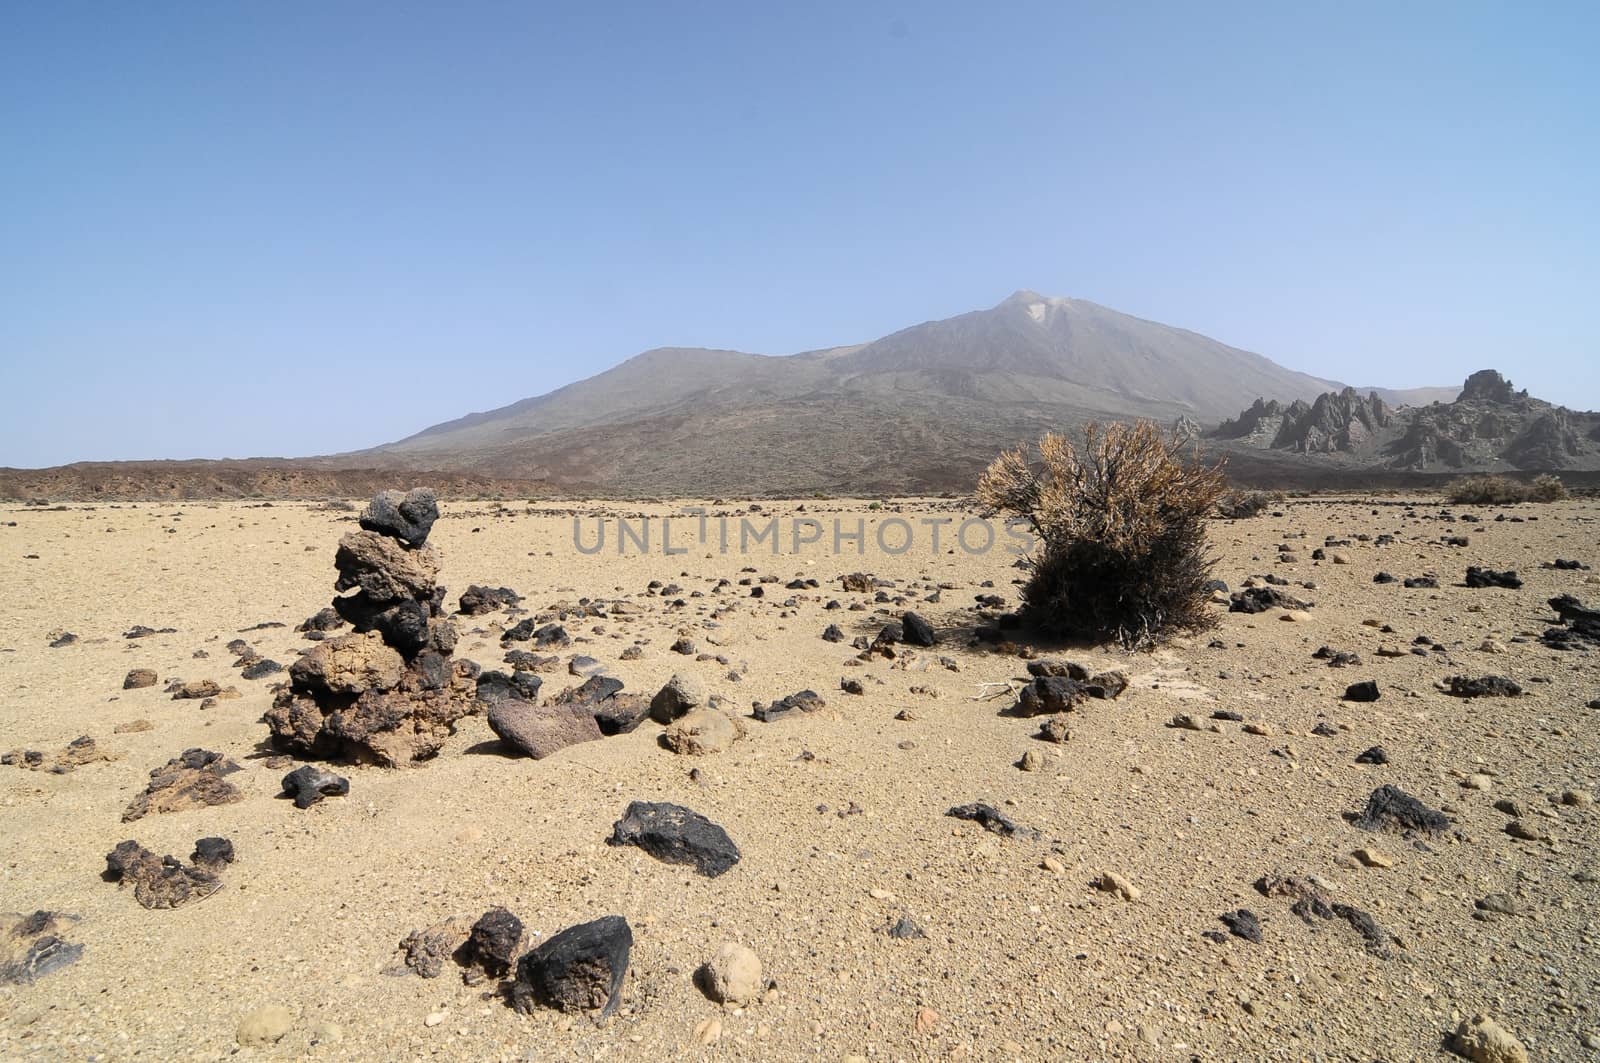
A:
(1010, 947)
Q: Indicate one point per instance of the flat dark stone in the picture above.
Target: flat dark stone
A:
(676, 835)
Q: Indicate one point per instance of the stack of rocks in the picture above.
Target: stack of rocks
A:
(389, 693)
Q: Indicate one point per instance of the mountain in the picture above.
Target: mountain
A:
(922, 409)
(1487, 426)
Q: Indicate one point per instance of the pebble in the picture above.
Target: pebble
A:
(433, 1019)
(707, 1031)
(1113, 883)
(733, 975)
(1577, 798)
(1374, 858)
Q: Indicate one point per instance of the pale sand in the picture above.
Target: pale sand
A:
(1019, 961)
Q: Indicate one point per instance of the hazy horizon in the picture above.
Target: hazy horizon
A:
(239, 232)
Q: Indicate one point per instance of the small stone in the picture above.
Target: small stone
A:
(684, 691)
(434, 1019)
(138, 679)
(1527, 831)
(1374, 858)
(733, 975)
(1483, 1040)
(1032, 760)
(1577, 798)
(265, 1026)
(707, 1031)
(1113, 883)
(1257, 729)
(1052, 865)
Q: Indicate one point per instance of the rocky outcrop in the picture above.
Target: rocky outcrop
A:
(390, 692)
(1489, 426)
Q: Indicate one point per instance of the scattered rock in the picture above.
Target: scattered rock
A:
(138, 679)
(1483, 1040)
(476, 600)
(407, 517)
(309, 784)
(733, 975)
(1486, 577)
(700, 732)
(1373, 755)
(192, 779)
(1391, 809)
(684, 691)
(159, 882)
(1113, 883)
(1366, 690)
(517, 718)
(492, 945)
(675, 835)
(796, 704)
(1243, 923)
(991, 820)
(32, 946)
(1489, 686)
(579, 969)
(916, 631)
(426, 950)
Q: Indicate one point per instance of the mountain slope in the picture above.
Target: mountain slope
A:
(924, 408)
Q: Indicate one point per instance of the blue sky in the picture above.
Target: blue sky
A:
(283, 229)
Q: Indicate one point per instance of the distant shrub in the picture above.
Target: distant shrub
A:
(1486, 491)
(1121, 528)
(1547, 487)
(1237, 505)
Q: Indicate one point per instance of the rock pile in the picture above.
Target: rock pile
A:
(389, 692)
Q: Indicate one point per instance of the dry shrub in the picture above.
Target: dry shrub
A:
(1237, 505)
(1547, 487)
(1486, 491)
(1121, 528)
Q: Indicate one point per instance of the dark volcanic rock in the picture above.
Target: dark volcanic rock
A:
(192, 779)
(261, 669)
(990, 819)
(31, 946)
(832, 633)
(1068, 669)
(1366, 690)
(676, 835)
(1374, 755)
(138, 679)
(492, 945)
(1243, 923)
(323, 620)
(1051, 694)
(1390, 808)
(158, 882)
(407, 517)
(796, 704)
(579, 969)
(520, 721)
(916, 631)
(1489, 686)
(476, 600)
(309, 784)
(212, 853)
(1260, 599)
(1488, 577)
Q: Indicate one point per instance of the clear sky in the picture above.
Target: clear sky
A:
(233, 229)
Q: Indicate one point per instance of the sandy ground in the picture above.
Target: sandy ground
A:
(840, 816)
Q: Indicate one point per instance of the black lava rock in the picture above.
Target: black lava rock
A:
(579, 969)
(407, 517)
(1366, 690)
(676, 835)
(309, 784)
(916, 631)
(1391, 808)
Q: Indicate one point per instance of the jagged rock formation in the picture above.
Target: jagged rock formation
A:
(389, 693)
(1490, 426)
